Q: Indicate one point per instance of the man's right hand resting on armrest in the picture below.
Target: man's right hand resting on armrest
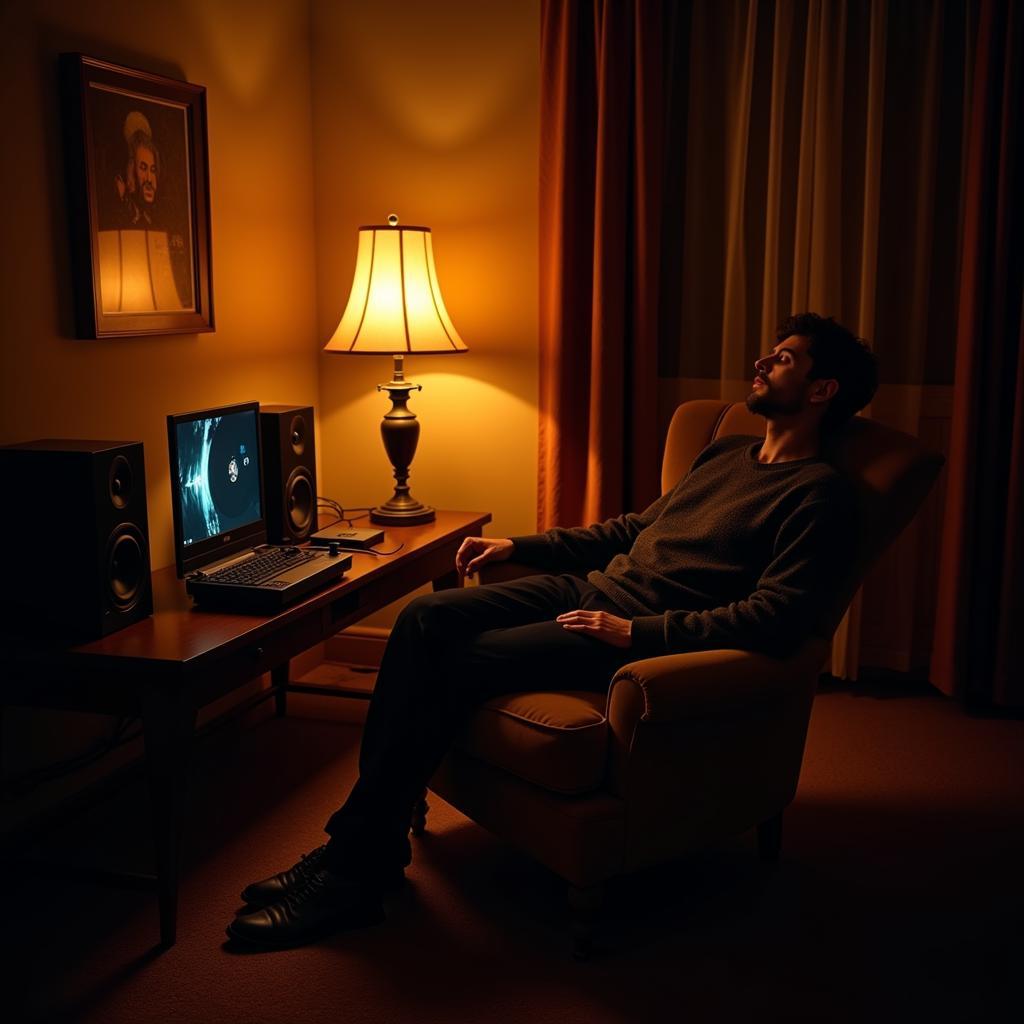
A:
(477, 551)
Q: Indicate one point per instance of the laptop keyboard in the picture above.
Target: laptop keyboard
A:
(262, 567)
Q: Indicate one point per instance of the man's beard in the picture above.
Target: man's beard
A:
(764, 404)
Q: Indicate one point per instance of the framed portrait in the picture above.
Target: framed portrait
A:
(139, 200)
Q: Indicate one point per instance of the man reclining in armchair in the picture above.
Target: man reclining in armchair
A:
(742, 553)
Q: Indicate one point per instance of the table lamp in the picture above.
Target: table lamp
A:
(396, 308)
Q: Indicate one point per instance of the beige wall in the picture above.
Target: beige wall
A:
(253, 58)
(431, 111)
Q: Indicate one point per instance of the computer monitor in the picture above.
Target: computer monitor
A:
(216, 483)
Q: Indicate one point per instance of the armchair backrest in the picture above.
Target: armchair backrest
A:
(891, 472)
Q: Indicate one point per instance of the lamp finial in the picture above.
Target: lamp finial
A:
(392, 220)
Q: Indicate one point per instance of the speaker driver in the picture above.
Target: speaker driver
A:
(126, 566)
(299, 502)
(297, 434)
(120, 481)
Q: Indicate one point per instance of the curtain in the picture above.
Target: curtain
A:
(978, 653)
(813, 155)
(602, 127)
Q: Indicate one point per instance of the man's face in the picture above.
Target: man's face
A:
(781, 387)
(145, 173)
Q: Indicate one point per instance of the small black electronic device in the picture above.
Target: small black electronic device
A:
(219, 529)
(347, 537)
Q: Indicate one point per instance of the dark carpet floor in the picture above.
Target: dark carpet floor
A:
(899, 896)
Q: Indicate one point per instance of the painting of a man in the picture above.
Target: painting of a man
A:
(144, 235)
(136, 190)
(138, 200)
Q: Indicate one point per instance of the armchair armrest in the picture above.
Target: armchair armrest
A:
(719, 733)
(702, 683)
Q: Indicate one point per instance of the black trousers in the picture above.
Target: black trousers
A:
(448, 653)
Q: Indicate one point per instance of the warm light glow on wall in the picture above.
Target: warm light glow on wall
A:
(246, 55)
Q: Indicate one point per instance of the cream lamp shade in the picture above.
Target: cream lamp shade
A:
(395, 308)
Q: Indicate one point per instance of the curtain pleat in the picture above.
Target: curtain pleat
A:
(735, 365)
(845, 655)
(777, 167)
(640, 430)
(1007, 681)
(567, 148)
(1008, 671)
(922, 238)
(978, 654)
(874, 117)
(803, 233)
(826, 159)
(602, 127)
(610, 273)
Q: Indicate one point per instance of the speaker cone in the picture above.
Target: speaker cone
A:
(298, 497)
(120, 482)
(126, 566)
(297, 434)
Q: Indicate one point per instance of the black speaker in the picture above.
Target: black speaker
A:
(77, 537)
(289, 472)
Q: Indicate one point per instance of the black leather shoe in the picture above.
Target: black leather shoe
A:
(277, 887)
(326, 903)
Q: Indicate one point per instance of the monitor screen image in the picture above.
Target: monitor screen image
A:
(218, 485)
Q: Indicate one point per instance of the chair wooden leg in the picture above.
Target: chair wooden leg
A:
(769, 838)
(418, 823)
(585, 904)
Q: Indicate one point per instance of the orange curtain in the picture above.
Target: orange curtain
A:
(978, 650)
(601, 132)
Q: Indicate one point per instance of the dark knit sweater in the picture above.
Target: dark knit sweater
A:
(739, 554)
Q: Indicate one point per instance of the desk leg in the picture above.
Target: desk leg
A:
(169, 724)
(279, 680)
(449, 581)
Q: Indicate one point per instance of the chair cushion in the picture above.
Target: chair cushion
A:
(555, 740)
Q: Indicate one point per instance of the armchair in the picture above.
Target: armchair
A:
(686, 748)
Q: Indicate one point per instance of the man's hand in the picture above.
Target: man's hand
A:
(601, 625)
(477, 551)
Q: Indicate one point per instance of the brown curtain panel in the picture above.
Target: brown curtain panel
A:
(979, 653)
(601, 131)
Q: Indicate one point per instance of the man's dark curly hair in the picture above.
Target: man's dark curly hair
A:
(836, 352)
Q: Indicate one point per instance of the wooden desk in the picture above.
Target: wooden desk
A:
(165, 668)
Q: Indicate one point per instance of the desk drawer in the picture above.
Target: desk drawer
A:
(254, 659)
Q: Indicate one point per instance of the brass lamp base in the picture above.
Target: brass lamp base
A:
(400, 431)
(388, 515)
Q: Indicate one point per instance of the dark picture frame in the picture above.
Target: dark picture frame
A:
(139, 193)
